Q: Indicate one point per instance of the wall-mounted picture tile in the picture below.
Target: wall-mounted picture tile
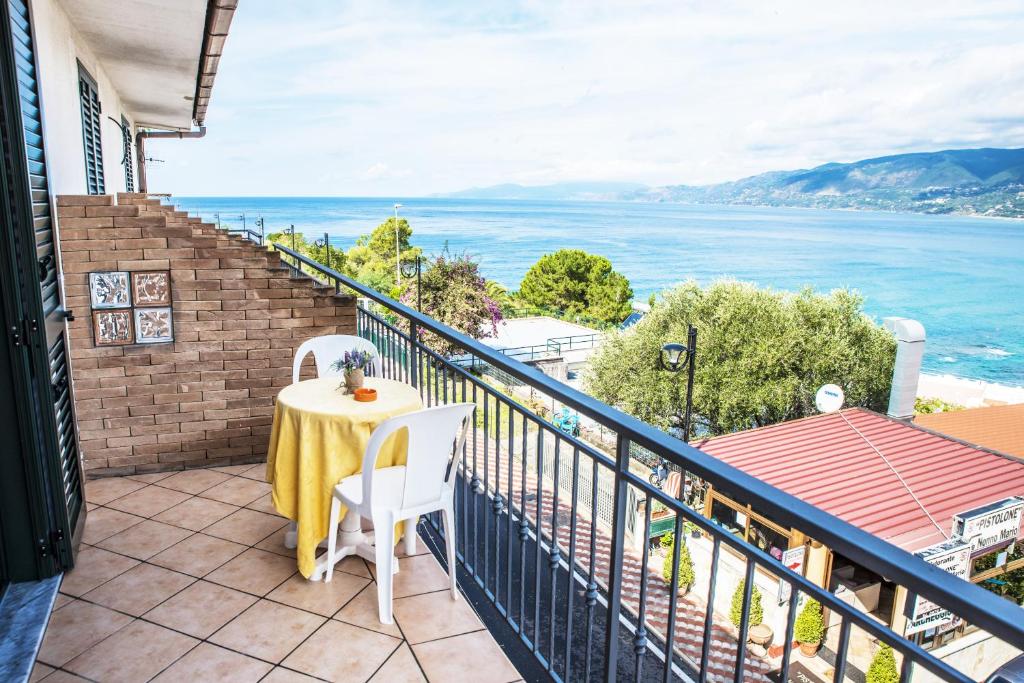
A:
(110, 290)
(153, 325)
(152, 288)
(113, 328)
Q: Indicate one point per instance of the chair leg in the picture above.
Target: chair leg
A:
(332, 537)
(448, 514)
(409, 535)
(384, 547)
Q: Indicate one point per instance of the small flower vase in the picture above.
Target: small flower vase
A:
(353, 380)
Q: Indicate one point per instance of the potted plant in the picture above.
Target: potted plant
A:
(353, 364)
(809, 628)
(757, 632)
(883, 666)
(692, 528)
(685, 572)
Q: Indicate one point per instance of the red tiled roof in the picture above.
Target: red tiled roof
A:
(825, 462)
(1000, 428)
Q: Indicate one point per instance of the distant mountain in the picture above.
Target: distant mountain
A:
(557, 191)
(965, 181)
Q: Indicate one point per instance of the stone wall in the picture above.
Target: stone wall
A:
(206, 398)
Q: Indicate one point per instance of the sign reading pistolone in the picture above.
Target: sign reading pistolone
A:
(131, 308)
(953, 556)
(990, 526)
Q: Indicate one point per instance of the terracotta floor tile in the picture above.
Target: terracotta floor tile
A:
(342, 652)
(316, 596)
(195, 513)
(417, 574)
(65, 677)
(400, 668)
(151, 478)
(246, 526)
(94, 566)
(362, 611)
(194, 481)
(282, 675)
(40, 671)
(267, 630)
(102, 491)
(232, 470)
(149, 501)
(254, 571)
(139, 589)
(264, 504)
(211, 663)
(238, 491)
(61, 600)
(197, 555)
(137, 652)
(75, 628)
(103, 523)
(275, 543)
(201, 609)
(473, 658)
(145, 539)
(434, 615)
(257, 472)
(353, 565)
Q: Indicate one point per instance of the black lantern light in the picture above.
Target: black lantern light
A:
(674, 357)
(410, 268)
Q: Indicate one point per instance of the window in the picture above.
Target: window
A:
(126, 159)
(91, 113)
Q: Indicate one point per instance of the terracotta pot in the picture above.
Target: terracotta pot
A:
(354, 380)
(809, 649)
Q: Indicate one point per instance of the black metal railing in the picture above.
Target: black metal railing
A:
(535, 533)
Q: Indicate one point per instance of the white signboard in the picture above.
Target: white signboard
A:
(953, 556)
(794, 559)
(990, 526)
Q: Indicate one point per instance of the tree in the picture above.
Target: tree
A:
(883, 666)
(761, 356)
(756, 611)
(686, 574)
(573, 281)
(372, 259)
(455, 294)
(926, 406)
(809, 627)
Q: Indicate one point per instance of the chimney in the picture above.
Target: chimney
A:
(907, 369)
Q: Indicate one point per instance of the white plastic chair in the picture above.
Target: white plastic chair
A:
(329, 348)
(426, 483)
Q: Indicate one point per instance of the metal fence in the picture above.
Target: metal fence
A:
(551, 555)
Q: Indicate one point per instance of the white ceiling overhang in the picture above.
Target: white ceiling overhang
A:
(151, 50)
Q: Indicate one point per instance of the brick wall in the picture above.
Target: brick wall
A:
(206, 398)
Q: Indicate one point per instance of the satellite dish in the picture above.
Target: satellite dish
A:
(829, 398)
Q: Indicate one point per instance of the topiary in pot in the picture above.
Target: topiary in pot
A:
(883, 666)
(686, 574)
(809, 628)
(756, 608)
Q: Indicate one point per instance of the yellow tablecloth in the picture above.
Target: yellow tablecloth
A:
(319, 438)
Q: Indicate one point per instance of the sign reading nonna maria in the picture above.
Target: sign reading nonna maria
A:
(953, 556)
(990, 526)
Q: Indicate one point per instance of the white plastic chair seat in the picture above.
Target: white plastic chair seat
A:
(389, 484)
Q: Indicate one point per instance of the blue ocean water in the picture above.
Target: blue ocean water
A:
(961, 277)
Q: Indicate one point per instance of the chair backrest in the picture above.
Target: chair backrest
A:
(436, 436)
(329, 348)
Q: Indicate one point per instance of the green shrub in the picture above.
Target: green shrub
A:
(686, 574)
(883, 667)
(809, 627)
(756, 608)
(667, 540)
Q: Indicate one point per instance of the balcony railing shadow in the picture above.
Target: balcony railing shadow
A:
(542, 531)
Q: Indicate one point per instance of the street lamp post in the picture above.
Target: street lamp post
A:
(409, 269)
(398, 249)
(675, 357)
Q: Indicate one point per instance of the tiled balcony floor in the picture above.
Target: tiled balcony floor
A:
(184, 577)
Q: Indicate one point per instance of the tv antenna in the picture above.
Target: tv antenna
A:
(829, 398)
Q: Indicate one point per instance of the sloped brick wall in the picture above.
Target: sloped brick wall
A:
(206, 398)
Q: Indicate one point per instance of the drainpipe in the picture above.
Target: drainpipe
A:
(907, 370)
(140, 146)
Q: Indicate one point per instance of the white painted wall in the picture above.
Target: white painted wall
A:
(59, 47)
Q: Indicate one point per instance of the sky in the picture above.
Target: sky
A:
(378, 98)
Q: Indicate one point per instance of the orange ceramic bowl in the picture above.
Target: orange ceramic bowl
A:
(365, 394)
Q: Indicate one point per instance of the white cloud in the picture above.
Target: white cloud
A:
(310, 100)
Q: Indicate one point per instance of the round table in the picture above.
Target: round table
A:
(318, 438)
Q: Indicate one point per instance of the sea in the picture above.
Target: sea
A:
(962, 277)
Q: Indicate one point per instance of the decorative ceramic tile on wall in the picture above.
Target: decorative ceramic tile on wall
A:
(113, 327)
(153, 325)
(110, 290)
(152, 288)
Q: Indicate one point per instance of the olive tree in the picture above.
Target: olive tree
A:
(761, 356)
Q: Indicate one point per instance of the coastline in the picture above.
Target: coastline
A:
(969, 393)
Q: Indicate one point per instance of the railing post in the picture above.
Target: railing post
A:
(615, 560)
(414, 358)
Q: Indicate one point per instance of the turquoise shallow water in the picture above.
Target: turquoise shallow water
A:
(961, 277)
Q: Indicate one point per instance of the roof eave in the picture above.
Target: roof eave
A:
(219, 14)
